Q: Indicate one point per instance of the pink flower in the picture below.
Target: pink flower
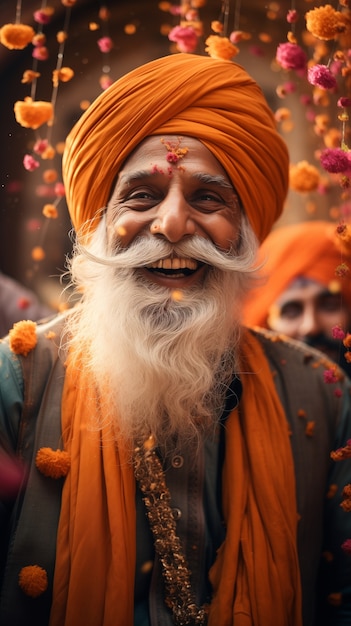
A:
(105, 81)
(344, 102)
(59, 190)
(321, 76)
(185, 37)
(334, 160)
(291, 57)
(105, 44)
(30, 163)
(42, 17)
(41, 53)
(329, 376)
(292, 16)
(337, 393)
(337, 332)
(40, 146)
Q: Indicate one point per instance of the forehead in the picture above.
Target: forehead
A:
(154, 149)
(305, 289)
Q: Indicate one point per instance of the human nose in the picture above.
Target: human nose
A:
(309, 323)
(173, 219)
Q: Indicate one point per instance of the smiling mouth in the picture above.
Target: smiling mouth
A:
(174, 267)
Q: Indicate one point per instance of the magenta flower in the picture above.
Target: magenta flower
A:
(30, 163)
(344, 102)
(42, 17)
(337, 332)
(185, 37)
(292, 16)
(291, 57)
(105, 44)
(346, 546)
(329, 376)
(334, 160)
(321, 76)
(41, 53)
(40, 146)
(59, 190)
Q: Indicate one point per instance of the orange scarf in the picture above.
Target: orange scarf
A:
(255, 577)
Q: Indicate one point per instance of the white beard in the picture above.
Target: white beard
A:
(162, 365)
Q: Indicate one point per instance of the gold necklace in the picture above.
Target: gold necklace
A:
(151, 479)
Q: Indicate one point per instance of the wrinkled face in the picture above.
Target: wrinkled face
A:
(307, 310)
(173, 188)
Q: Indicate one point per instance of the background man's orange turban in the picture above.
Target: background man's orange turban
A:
(212, 100)
(311, 250)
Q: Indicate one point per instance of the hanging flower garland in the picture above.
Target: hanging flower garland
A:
(39, 115)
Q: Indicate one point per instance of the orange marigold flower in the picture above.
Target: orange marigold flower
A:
(32, 114)
(325, 22)
(53, 463)
(346, 505)
(282, 114)
(303, 177)
(38, 253)
(64, 75)
(50, 176)
(342, 270)
(347, 340)
(333, 489)
(220, 47)
(217, 26)
(23, 337)
(61, 36)
(342, 453)
(48, 153)
(33, 580)
(16, 36)
(310, 427)
(335, 599)
(29, 76)
(50, 211)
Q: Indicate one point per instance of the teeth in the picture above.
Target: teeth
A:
(175, 264)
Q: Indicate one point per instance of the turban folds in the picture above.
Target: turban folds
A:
(311, 250)
(214, 101)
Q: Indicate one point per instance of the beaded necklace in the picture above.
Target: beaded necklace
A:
(151, 479)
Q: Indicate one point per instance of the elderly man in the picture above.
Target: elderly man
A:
(178, 464)
(306, 291)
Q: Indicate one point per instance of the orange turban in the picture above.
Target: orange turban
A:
(311, 250)
(212, 100)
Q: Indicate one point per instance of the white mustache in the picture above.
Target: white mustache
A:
(147, 250)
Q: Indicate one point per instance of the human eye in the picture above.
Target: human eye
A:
(140, 199)
(291, 310)
(207, 201)
(329, 303)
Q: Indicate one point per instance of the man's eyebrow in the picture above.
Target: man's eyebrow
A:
(204, 178)
(213, 179)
